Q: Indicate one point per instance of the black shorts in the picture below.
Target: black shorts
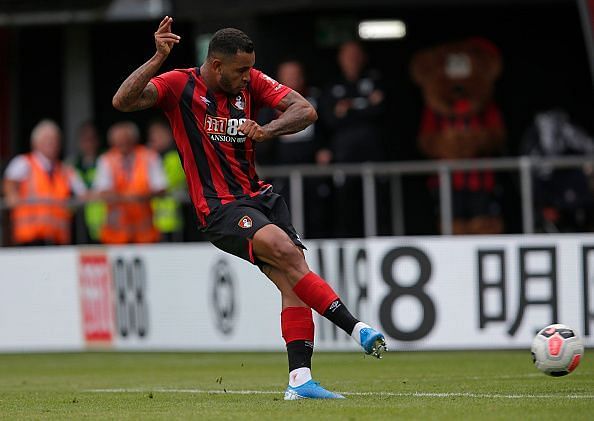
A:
(231, 227)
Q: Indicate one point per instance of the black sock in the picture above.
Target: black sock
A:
(338, 314)
(299, 353)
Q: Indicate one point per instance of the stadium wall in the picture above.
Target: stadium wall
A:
(423, 292)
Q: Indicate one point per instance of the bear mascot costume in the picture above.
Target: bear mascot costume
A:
(461, 121)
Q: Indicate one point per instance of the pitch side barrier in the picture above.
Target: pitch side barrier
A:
(424, 293)
(368, 172)
(523, 166)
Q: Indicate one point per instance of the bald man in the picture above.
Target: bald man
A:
(37, 187)
(129, 175)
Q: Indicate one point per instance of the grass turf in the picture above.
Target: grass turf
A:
(405, 385)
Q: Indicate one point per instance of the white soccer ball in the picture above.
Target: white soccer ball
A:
(557, 350)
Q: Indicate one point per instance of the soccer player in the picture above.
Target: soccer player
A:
(211, 110)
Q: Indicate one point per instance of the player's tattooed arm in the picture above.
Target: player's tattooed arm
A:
(296, 115)
(137, 93)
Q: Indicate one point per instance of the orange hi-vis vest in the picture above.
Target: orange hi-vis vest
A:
(43, 221)
(130, 221)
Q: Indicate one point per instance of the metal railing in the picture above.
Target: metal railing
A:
(368, 172)
(524, 166)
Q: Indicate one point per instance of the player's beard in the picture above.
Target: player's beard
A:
(227, 86)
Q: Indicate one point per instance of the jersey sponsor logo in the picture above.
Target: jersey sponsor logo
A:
(245, 222)
(239, 102)
(226, 139)
(215, 125)
(221, 129)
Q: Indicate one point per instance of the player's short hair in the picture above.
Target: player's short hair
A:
(230, 41)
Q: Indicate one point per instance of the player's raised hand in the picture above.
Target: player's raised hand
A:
(164, 38)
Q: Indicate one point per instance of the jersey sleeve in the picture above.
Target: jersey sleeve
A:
(266, 91)
(170, 86)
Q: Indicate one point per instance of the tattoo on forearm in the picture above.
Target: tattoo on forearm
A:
(293, 120)
(133, 94)
(296, 116)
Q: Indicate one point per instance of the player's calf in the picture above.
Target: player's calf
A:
(317, 294)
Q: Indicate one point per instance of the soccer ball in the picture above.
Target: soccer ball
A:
(557, 350)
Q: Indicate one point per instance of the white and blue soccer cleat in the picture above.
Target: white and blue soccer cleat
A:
(372, 341)
(310, 390)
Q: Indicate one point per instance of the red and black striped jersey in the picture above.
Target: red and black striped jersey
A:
(218, 159)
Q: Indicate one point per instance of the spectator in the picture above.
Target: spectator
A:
(167, 215)
(128, 177)
(562, 197)
(85, 163)
(352, 111)
(301, 148)
(353, 108)
(37, 187)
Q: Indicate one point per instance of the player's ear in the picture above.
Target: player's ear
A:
(217, 65)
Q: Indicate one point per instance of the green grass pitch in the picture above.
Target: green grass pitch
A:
(404, 385)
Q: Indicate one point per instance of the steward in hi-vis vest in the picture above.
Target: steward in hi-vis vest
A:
(85, 164)
(37, 187)
(94, 212)
(167, 210)
(50, 218)
(128, 177)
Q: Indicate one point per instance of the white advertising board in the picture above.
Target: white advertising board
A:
(422, 292)
(193, 297)
(469, 292)
(39, 303)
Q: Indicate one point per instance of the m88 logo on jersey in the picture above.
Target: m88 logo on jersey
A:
(219, 128)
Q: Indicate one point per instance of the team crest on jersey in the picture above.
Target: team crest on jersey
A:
(245, 222)
(239, 102)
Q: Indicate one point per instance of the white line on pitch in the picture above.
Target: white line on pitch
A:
(507, 376)
(393, 394)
